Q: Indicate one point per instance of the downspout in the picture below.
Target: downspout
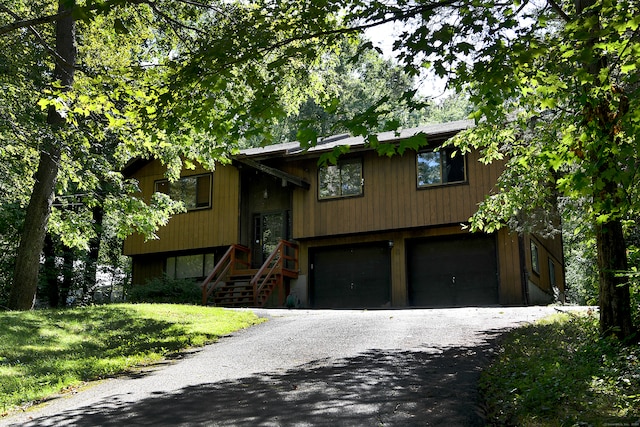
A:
(523, 270)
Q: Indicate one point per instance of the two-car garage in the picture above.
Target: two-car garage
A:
(440, 272)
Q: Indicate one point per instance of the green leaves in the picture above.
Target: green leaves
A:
(551, 96)
(415, 143)
(556, 93)
(137, 216)
(331, 157)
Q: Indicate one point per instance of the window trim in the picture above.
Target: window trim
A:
(340, 163)
(208, 260)
(209, 192)
(552, 272)
(535, 256)
(446, 153)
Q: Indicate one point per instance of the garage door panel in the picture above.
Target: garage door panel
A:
(350, 277)
(449, 271)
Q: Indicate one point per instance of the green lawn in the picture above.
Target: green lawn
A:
(43, 352)
(560, 372)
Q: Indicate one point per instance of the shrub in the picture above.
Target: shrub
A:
(561, 372)
(167, 290)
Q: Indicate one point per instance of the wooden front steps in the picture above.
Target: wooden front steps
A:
(238, 292)
(233, 284)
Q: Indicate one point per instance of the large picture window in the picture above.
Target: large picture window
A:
(341, 180)
(194, 191)
(440, 167)
(189, 266)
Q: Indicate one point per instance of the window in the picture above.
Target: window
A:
(440, 167)
(535, 258)
(552, 273)
(189, 266)
(341, 180)
(194, 191)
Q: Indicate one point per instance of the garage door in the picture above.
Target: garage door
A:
(350, 276)
(453, 271)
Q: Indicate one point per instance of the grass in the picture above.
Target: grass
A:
(560, 372)
(44, 352)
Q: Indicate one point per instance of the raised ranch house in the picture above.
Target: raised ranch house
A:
(275, 228)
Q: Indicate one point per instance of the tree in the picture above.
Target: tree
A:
(185, 79)
(353, 78)
(556, 88)
(38, 210)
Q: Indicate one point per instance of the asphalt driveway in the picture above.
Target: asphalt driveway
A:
(309, 368)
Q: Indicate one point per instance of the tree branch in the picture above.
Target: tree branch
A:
(202, 5)
(29, 24)
(555, 6)
(344, 30)
(170, 20)
(41, 40)
(47, 19)
(26, 23)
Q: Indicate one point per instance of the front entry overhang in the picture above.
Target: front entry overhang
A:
(286, 177)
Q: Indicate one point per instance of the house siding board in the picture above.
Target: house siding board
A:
(204, 228)
(391, 199)
(442, 201)
(375, 179)
(398, 272)
(509, 268)
(396, 188)
(145, 267)
(478, 174)
(415, 211)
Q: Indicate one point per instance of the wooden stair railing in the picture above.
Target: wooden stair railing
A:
(278, 265)
(236, 285)
(227, 265)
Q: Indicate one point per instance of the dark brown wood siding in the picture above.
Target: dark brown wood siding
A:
(206, 228)
(510, 287)
(145, 267)
(510, 268)
(549, 250)
(391, 199)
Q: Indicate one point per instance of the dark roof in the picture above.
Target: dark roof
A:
(133, 165)
(327, 144)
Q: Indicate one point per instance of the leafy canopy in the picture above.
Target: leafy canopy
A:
(180, 81)
(556, 90)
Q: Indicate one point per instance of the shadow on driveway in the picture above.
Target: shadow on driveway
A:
(377, 388)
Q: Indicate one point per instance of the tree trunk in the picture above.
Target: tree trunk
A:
(25, 279)
(615, 301)
(614, 297)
